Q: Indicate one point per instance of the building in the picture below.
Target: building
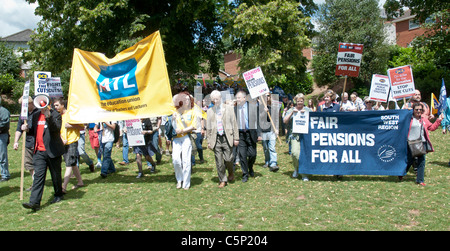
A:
(407, 29)
(19, 41)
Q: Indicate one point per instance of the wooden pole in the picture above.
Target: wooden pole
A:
(22, 168)
(270, 117)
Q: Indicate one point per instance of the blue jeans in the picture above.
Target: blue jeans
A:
(198, 144)
(4, 156)
(125, 148)
(420, 167)
(82, 151)
(107, 163)
(270, 154)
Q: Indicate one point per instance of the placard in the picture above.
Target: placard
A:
(134, 132)
(256, 83)
(54, 88)
(402, 82)
(379, 89)
(300, 122)
(349, 59)
(40, 83)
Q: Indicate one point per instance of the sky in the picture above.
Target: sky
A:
(18, 15)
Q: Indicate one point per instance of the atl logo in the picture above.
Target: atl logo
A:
(118, 81)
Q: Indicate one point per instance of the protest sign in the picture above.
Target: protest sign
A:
(54, 88)
(349, 59)
(356, 143)
(40, 83)
(300, 122)
(379, 89)
(134, 132)
(256, 83)
(133, 84)
(402, 82)
(26, 94)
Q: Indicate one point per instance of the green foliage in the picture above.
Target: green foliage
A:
(427, 75)
(349, 21)
(190, 31)
(9, 62)
(434, 16)
(272, 35)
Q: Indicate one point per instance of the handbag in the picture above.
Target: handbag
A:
(416, 147)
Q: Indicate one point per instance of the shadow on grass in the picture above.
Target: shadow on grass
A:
(347, 178)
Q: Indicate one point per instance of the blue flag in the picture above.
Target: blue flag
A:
(356, 143)
(442, 98)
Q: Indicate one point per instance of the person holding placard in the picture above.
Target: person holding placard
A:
(147, 150)
(29, 140)
(269, 137)
(296, 137)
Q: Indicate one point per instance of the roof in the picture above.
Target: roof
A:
(406, 16)
(21, 36)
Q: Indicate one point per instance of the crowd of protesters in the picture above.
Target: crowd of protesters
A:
(230, 120)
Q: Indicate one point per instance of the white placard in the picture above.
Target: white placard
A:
(54, 88)
(26, 93)
(40, 83)
(300, 123)
(256, 83)
(134, 132)
(379, 88)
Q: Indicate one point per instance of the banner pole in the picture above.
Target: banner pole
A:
(270, 117)
(24, 136)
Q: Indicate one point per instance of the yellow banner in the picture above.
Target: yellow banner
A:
(133, 84)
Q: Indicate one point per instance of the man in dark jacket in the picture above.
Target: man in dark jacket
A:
(4, 141)
(49, 148)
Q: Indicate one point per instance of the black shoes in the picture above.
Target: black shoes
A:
(57, 199)
(31, 206)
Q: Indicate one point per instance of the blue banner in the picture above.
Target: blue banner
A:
(356, 143)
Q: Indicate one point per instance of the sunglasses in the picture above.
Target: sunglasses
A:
(419, 110)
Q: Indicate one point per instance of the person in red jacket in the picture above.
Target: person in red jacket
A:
(419, 128)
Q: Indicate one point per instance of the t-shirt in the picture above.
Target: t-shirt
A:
(108, 133)
(187, 119)
(71, 135)
(40, 133)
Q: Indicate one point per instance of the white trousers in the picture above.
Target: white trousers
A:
(181, 159)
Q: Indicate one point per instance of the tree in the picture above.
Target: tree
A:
(9, 69)
(349, 21)
(434, 16)
(272, 35)
(190, 30)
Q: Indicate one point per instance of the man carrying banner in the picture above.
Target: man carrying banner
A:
(49, 148)
(70, 134)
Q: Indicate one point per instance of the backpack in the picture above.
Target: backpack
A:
(116, 133)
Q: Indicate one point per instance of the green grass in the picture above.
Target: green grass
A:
(270, 201)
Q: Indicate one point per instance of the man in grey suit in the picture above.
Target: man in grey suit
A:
(222, 134)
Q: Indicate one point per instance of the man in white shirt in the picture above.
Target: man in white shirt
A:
(107, 143)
